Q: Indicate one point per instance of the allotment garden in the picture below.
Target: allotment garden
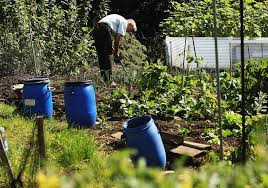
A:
(52, 41)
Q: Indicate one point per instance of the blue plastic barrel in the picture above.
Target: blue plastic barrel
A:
(37, 98)
(80, 104)
(143, 136)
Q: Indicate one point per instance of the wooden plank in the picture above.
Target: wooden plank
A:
(184, 150)
(172, 139)
(167, 172)
(168, 138)
(117, 135)
(17, 87)
(196, 145)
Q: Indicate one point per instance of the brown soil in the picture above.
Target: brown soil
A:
(6, 93)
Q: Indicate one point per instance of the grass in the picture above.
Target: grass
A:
(17, 130)
(69, 151)
(6, 111)
(75, 160)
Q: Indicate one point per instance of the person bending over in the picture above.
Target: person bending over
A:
(102, 33)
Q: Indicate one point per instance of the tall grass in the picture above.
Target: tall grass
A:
(68, 150)
(73, 149)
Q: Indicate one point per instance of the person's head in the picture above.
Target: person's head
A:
(131, 25)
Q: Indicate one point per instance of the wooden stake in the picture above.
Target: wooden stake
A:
(41, 140)
(4, 158)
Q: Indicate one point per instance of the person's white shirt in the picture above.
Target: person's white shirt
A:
(117, 23)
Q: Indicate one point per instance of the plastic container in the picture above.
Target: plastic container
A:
(80, 104)
(142, 135)
(37, 98)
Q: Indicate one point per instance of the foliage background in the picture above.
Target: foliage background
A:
(195, 18)
(54, 37)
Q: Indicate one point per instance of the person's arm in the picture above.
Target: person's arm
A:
(116, 44)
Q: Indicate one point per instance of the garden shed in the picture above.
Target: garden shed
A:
(229, 50)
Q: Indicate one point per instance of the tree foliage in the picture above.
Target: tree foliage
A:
(196, 18)
(47, 37)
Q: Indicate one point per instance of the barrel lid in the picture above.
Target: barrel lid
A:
(38, 80)
(138, 123)
(80, 82)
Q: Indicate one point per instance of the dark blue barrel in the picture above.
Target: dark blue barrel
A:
(37, 98)
(80, 103)
(142, 135)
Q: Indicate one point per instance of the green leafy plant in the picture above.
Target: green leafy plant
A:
(185, 131)
(160, 93)
(211, 135)
(193, 96)
(230, 90)
(256, 79)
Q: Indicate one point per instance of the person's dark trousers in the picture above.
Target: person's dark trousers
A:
(102, 34)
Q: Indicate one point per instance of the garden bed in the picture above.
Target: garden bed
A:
(105, 128)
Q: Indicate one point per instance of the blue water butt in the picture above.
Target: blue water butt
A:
(37, 98)
(143, 136)
(80, 104)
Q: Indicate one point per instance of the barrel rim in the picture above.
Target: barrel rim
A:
(80, 82)
(138, 128)
(38, 80)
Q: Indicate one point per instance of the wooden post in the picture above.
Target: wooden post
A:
(41, 140)
(4, 158)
